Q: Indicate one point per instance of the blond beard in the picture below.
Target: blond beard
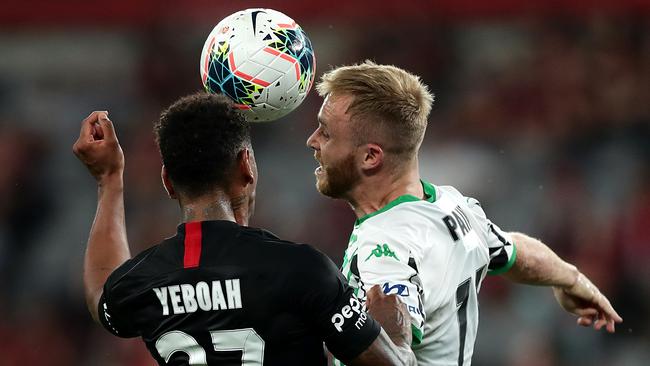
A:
(339, 178)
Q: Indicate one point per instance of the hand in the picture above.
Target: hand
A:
(585, 300)
(98, 148)
(392, 314)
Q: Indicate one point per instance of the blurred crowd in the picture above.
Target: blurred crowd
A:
(545, 121)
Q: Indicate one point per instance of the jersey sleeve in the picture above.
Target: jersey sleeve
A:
(330, 304)
(113, 305)
(391, 263)
(500, 244)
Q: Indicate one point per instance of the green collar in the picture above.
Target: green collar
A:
(429, 192)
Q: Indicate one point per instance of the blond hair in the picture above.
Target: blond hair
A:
(390, 105)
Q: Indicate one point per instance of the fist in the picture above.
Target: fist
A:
(392, 314)
(97, 147)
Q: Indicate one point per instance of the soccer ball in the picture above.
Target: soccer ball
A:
(262, 60)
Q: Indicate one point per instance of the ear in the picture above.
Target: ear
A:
(247, 166)
(373, 157)
(167, 183)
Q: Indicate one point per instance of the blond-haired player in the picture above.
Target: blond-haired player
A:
(428, 244)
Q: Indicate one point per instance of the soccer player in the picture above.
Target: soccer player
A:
(219, 292)
(429, 244)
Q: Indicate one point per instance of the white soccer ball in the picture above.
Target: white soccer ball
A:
(262, 60)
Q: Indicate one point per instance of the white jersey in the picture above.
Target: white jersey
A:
(433, 253)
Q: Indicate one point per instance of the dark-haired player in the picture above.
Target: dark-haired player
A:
(219, 292)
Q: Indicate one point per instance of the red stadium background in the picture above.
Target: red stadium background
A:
(542, 113)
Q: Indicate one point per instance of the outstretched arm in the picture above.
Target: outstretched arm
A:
(99, 150)
(537, 264)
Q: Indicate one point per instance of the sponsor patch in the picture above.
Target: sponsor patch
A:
(348, 312)
(395, 289)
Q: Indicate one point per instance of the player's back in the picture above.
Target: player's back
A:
(219, 293)
(451, 271)
(461, 247)
(433, 252)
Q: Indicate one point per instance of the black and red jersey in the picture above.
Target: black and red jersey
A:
(222, 294)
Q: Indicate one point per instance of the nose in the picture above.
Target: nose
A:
(311, 141)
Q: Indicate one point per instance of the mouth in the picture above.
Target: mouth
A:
(319, 170)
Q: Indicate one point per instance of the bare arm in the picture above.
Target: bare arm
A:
(383, 352)
(537, 264)
(99, 149)
(393, 346)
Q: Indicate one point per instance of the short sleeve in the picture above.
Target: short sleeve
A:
(503, 252)
(329, 303)
(391, 264)
(113, 307)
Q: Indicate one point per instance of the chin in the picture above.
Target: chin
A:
(321, 186)
(326, 190)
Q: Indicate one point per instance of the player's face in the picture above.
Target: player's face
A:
(334, 149)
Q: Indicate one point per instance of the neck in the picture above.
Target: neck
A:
(216, 206)
(377, 191)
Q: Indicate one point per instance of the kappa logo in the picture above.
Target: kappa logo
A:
(396, 289)
(382, 251)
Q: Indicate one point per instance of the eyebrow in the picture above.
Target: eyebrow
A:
(321, 122)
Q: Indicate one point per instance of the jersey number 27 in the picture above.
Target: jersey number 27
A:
(245, 340)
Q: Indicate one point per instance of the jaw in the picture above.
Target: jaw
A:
(336, 178)
(320, 182)
(322, 185)
(327, 187)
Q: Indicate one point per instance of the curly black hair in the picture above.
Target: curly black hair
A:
(199, 137)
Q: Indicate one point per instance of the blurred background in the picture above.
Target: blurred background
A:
(542, 113)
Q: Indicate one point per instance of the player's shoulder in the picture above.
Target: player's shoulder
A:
(284, 252)
(411, 219)
(460, 198)
(271, 242)
(404, 228)
(132, 268)
(405, 212)
(450, 191)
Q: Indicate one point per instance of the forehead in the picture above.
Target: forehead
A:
(334, 108)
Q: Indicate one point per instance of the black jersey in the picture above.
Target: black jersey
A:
(222, 294)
